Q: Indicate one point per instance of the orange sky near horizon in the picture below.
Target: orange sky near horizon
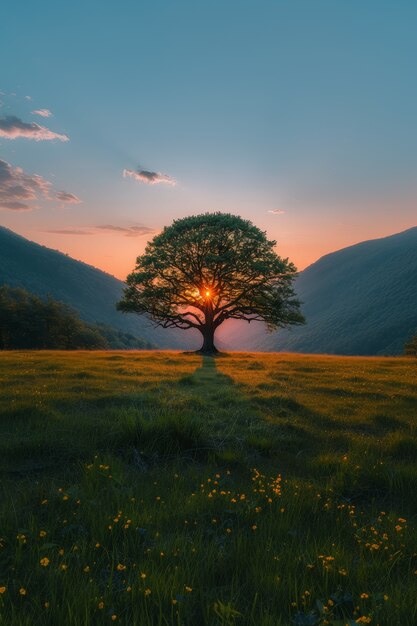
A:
(302, 243)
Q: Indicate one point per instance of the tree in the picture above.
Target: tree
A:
(205, 269)
(29, 323)
(411, 346)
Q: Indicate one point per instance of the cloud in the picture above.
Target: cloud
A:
(68, 198)
(42, 112)
(12, 127)
(150, 178)
(277, 211)
(69, 231)
(18, 190)
(127, 231)
(28, 97)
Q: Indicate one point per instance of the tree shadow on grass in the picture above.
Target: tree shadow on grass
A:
(207, 375)
(275, 428)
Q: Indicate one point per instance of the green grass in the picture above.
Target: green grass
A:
(161, 488)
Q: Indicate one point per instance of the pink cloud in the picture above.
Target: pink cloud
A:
(277, 211)
(21, 192)
(12, 127)
(69, 231)
(150, 178)
(68, 198)
(18, 190)
(42, 112)
(127, 231)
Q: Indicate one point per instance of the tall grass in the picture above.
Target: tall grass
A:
(161, 488)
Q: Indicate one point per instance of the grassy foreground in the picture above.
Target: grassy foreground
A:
(161, 488)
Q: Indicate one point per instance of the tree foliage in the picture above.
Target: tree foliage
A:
(205, 269)
(28, 322)
(411, 346)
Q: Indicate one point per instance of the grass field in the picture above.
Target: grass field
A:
(161, 488)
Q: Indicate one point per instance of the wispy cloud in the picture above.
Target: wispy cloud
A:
(67, 198)
(149, 178)
(12, 127)
(22, 192)
(276, 211)
(42, 112)
(127, 231)
(69, 231)
(18, 191)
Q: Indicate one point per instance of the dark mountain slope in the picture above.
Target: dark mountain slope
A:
(360, 300)
(90, 291)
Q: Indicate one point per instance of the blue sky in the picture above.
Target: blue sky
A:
(303, 107)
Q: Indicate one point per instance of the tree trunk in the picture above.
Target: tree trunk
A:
(208, 346)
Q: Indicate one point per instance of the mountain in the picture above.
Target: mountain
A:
(361, 300)
(88, 290)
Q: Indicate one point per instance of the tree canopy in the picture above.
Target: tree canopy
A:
(205, 269)
(411, 346)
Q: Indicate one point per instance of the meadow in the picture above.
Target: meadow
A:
(160, 488)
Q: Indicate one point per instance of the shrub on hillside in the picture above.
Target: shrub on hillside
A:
(411, 347)
(27, 322)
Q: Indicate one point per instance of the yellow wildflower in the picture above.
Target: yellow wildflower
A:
(44, 562)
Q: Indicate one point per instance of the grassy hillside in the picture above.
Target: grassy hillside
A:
(361, 300)
(88, 290)
(163, 488)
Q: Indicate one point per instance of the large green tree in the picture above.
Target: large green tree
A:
(205, 269)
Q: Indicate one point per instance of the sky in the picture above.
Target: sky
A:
(118, 117)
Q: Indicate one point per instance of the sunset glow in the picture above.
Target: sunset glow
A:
(301, 141)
